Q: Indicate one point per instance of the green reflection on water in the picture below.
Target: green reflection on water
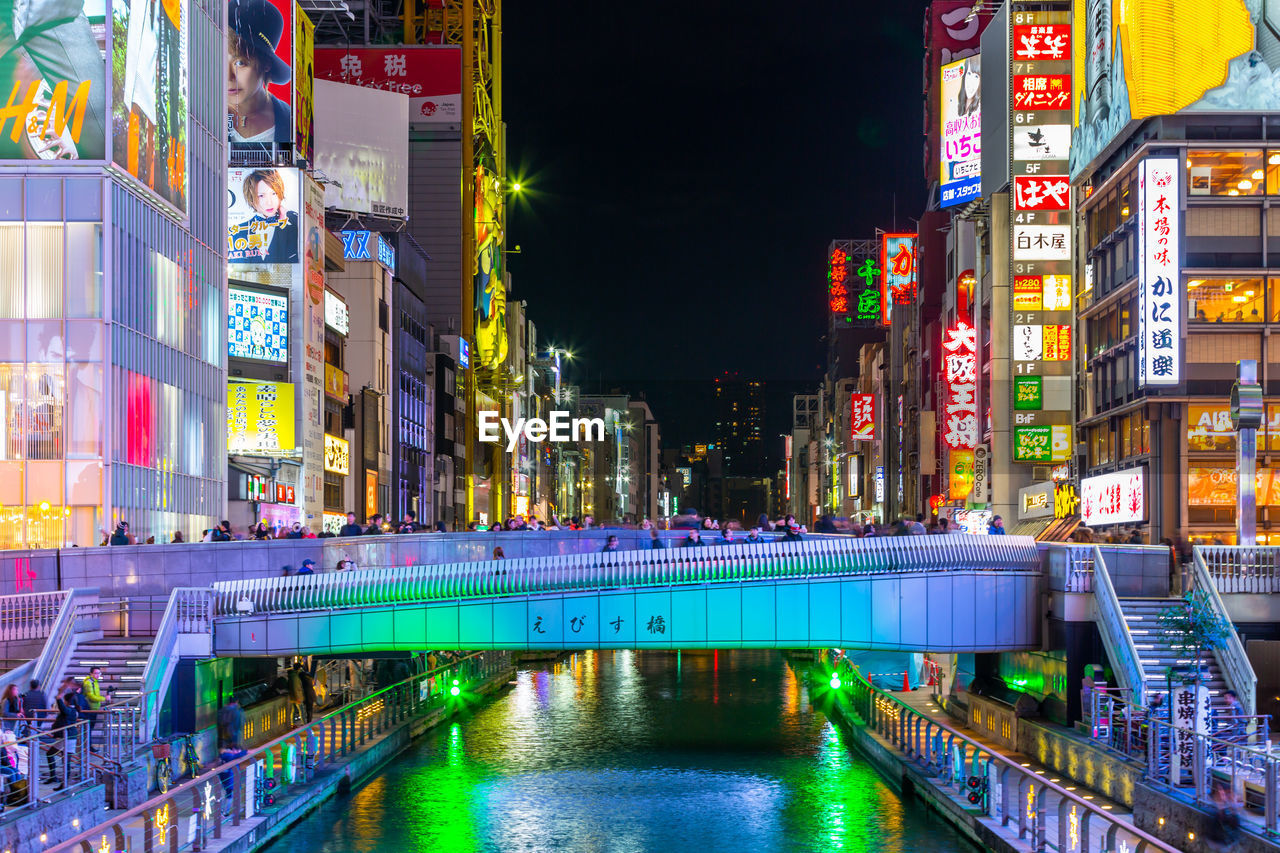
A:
(633, 751)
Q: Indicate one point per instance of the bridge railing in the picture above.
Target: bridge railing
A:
(1235, 569)
(1114, 629)
(1237, 671)
(803, 559)
(1000, 787)
(29, 616)
(186, 629)
(199, 811)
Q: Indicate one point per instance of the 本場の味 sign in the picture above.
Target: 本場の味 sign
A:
(862, 417)
(1118, 498)
(1160, 320)
(960, 428)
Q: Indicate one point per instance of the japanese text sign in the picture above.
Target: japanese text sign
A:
(838, 280)
(1043, 41)
(1041, 91)
(1160, 321)
(1117, 498)
(898, 272)
(1041, 192)
(960, 424)
(862, 417)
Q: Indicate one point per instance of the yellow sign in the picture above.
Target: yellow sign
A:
(335, 382)
(1065, 502)
(260, 418)
(337, 455)
(960, 481)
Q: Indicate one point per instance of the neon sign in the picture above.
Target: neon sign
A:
(960, 429)
(898, 276)
(837, 281)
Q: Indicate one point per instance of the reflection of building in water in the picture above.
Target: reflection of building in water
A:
(112, 391)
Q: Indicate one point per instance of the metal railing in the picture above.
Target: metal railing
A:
(1109, 718)
(189, 613)
(29, 616)
(1114, 629)
(1253, 774)
(1231, 656)
(1005, 790)
(238, 790)
(1235, 568)
(44, 761)
(79, 615)
(803, 559)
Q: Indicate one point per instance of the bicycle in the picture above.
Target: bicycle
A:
(190, 762)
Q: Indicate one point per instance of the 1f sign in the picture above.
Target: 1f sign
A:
(1160, 280)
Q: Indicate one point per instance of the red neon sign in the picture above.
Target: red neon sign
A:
(1042, 41)
(1041, 192)
(862, 417)
(837, 281)
(898, 273)
(960, 427)
(1041, 91)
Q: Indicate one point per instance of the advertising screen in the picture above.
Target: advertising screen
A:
(304, 43)
(260, 418)
(1119, 498)
(149, 95)
(362, 146)
(862, 417)
(430, 76)
(961, 109)
(260, 57)
(337, 455)
(336, 315)
(1144, 58)
(898, 273)
(490, 289)
(262, 216)
(73, 127)
(257, 324)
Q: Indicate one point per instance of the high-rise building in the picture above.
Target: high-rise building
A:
(740, 424)
(112, 349)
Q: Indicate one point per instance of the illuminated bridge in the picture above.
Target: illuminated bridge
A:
(943, 594)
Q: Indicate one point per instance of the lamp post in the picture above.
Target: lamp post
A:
(1246, 417)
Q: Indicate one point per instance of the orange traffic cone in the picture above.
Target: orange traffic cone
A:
(906, 683)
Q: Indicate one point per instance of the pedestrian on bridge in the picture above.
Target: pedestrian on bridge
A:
(694, 540)
(308, 688)
(11, 708)
(996, 528)
(92, 691)
(350, 528)
(610, 544)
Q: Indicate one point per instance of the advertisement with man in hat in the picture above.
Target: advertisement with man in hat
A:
(259, 74)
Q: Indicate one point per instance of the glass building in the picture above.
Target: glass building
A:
(112, 348)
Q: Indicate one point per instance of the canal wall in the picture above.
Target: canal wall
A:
(349, 772)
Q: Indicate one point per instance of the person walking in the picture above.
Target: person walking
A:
(11, 708)
(222, 533)
(917, 527)
(92, 691)
(408, 523)
(375, 525)
(121, 534)
(351, 528)
(178, 537)
(694, 539)
(230, 722)
(655, 540)
(996, 528)
(295, 695)
(308, 567)
(308, 689)
(61, 739)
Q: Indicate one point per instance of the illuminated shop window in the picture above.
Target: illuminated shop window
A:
(1225, 173)
(1273, 173)
(1209, 426)
(1222, 300)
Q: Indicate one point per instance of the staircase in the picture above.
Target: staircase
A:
(1157, 650)
(123, 660)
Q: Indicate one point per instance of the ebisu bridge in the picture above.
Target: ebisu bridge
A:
(150, 612)
(959, 594)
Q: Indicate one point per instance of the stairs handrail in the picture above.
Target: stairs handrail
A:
(60, 645)
(1232, 658)
(1116, 636)
(189, 611)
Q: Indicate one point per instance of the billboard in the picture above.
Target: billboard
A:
(490, 288)
(362, 147)
(898, 273)
(262, 216)
(1145, 58)
(56, 87)
(260, 419)
(1117, 498)
(149, 77)
(1217, 486)
(961, 149)
(1159, 274)
(260, 57)
(838, 279)
(304, 44)
(952, 31)
(430, 76)
(862, 417)
(257, 324)
(337, 455)
(960, 374)
(336, 315)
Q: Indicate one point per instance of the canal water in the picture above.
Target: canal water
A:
(622, 752)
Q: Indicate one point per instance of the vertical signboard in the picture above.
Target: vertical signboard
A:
(862, 417)
(1040, 235)
(149, 91)
(838, 277)
(311, 387)
(898, 273)
(260, 84)
(961, 109)
(304, 43)
(960, 407)
(1160, 318)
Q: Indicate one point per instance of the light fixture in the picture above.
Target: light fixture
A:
(1245, 184)
(1257, 174)
(1233, 192)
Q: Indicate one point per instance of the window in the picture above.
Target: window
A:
(1209, 426)
(1222, 300)
(1225, 173)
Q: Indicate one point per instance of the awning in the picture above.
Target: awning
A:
(1047, 529)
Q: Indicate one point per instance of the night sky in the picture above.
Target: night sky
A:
(686, 166)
